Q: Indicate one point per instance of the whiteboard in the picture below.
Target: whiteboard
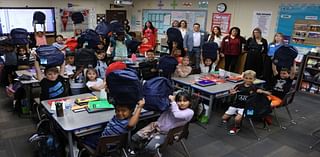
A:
(162, 19)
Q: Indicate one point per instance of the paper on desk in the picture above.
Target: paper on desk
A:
(53, 105)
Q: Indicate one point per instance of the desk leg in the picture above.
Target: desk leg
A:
(70, 144)
(210, 106)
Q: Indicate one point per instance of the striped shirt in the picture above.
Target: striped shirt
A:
(116, 127)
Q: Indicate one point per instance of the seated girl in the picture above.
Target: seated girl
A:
(145, 46)
(184, 69)
(94, 83)
(207, 66)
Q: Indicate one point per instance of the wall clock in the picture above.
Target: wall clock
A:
(221, 7)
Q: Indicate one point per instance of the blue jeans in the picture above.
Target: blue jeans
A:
(194, 56)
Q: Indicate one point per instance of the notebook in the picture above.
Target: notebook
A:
(205, 83)
(98, 106)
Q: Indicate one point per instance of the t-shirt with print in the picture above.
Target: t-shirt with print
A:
(52, 89)
(243, 94)
(23, 59)
(116, 127)
(98, 82)
(281, 86)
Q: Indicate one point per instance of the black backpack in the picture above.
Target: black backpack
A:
(103, 28)
(209, 50)
(257, 105)
(85, 57)
(125, 87)
(156, 92)
(77, 17)
(50, 55)
(90, 37)
(39, 17)
(284, 56)
(145, 69)
(167, 65)
(20, 36)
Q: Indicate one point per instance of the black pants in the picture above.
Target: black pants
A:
(254, 62)
(230, 62)
(267, 72)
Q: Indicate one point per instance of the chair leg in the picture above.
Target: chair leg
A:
(254, 129)
(275, 114)
(314, 144)
(124, 152)
(158, 154)
(290, 116)
(185, 147)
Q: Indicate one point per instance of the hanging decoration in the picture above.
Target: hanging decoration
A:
(187, 4)
(174, 4)
(203, 4)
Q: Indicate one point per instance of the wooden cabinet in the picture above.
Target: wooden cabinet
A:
(310, 75)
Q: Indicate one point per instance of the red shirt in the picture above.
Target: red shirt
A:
(234, 46)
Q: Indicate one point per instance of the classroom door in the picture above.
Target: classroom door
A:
(119, 15)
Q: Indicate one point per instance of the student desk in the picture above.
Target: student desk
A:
(71, 123)
(209, 92)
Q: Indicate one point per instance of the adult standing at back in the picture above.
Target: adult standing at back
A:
(277, 42)
(150, 33)
(231, 48)
(192, 44)
(174, 35)
(257, 47)
(216, 36)
(183, 27)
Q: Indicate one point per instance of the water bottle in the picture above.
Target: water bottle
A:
(103, 95)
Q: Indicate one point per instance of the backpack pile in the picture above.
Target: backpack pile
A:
(50, 56)
(156, 92)
(125, 87)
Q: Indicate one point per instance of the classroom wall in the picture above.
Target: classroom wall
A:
(241, 10)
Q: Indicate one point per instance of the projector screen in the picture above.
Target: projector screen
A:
(22, 18)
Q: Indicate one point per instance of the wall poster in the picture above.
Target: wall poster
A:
(222, 20)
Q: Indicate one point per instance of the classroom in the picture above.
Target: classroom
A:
(159, 78)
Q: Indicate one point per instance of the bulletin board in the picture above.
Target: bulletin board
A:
(162, 19)
(300, 24)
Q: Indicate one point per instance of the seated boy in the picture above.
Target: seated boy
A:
(121, 123)
(242, 91)
(53, 84)
(149, 67)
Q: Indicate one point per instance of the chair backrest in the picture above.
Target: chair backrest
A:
(288, 98)
(111, 144)
(176, 134)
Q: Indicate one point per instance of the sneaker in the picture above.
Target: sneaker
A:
(223, 124)
(234, 131)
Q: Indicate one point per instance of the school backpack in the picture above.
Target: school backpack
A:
(145, 69)
(85, 57)
(132, 45)
(116, 26)
(156, 93)
(103, 28)
(72, 44)
(39, 17)
(49, 56)
(125, 87)
(77, 17)
(90, 37)
(45, 140)
(209, 50)
(167, 65)
(284, 56)
(20, 36)
(257, 105)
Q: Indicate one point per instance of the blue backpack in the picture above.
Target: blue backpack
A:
(90, 37)
(167, 65)
(284, 56)
(156, 92)
(209, 50)
(50, 55)
(103, 28)
(125, 87)
(20, 36)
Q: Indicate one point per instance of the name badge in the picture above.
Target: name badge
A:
(227, 40)
(201, 33)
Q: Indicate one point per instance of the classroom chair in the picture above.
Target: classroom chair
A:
(314, 134)
(288, 99)
(176, 135)
(108, 146)
(266, 126)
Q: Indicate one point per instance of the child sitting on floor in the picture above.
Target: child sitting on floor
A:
(154, 134)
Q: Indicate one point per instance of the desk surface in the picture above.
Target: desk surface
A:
(73, 121)
(214, 89)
